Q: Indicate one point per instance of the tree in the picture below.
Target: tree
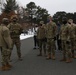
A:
(10, 5)
(74, 17)
(31, 10)
(41, 14)
(59, 16)
(69, 15)
(36, 13)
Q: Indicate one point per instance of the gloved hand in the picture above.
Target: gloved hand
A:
(67, 42)
(54, 38)
(45, 39)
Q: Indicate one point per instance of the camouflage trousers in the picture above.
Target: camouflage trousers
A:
(73, 46)
(66, 48)
(51, 46)
(5, 55)
(42, 45)
(17, 43)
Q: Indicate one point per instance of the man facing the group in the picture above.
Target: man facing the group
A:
(5, 45)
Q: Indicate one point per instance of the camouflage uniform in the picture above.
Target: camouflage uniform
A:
(73, 38)
(51, 30)
(41, 40)
(15, 31)
(5, 44)
(66, 42)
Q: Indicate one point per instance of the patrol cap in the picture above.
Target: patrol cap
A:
(70, 20)
(49, 17)
(14, 17)
(4, 19)
(41, 22)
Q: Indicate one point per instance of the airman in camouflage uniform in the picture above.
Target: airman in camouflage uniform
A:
(65, 40)
(51, 30)
(73, 38)
(41, 38)
(15, 31)
(5, 44)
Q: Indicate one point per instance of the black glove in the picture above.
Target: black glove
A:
(67, 42)
(45, 39)
(54, 38)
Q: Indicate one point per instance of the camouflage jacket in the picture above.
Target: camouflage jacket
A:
(41, 33)
(51, 30)
(73, 31)
(5, 39)
(15, 29)
(65, 32)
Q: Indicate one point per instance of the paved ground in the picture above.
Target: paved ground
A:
(34, 65)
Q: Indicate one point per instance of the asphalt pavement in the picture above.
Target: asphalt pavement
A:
(35, 65)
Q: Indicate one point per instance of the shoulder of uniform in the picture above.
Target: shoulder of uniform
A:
(74, 24)
(18, 24)
(68, 24)
(53, 23)
(5, 28)
(10, 24)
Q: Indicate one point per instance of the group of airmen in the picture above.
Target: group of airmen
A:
(9, 36)
(47, 35)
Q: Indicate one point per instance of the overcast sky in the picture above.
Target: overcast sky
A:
(53, 5)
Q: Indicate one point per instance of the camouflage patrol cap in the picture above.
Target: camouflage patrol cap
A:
(70, 20)
(41, 22)
(49, 17)
(14, 17)
(4, 19)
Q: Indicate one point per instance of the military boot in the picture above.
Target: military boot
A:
(7, 68)
(69, 60)
(73, 56)
(53, 57)
(48, 57)
(2, 68)
(8, 65)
